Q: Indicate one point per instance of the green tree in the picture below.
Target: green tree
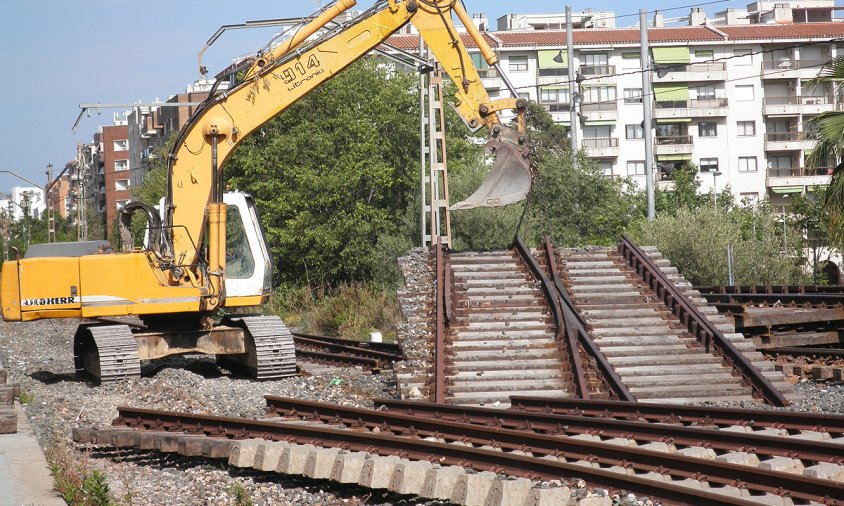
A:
(336, 172)
(828, 129)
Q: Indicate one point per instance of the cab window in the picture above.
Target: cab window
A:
(239, 260)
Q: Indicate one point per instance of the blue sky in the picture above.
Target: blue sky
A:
(56, 54)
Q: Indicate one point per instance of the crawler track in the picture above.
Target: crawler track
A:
(666, 476)
(270, 349)
(107, 352)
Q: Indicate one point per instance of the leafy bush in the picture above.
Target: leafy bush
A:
(74, 479)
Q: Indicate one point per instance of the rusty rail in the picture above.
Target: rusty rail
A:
(490, 432)
(480, 459)
(383, 350)
(698, 324)
(441, 323)
(563, 334)
(682, 414)
(576, 325)
(576, 424)
(792, 289)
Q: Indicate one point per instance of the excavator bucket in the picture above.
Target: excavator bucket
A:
(510, 178)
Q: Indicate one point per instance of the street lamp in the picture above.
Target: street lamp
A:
(715, 187)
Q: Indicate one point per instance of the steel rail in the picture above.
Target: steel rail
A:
(340, 359)
(698, 324)
(575, 320)
(440, 324)
(814, 299)
(796, 351)
(415, 449)
(563, 335)
(757, 479)
(357, 351)
(685, 414)
(388, 348)
(556, 424)
(756, 289)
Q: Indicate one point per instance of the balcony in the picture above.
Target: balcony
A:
(695, 108)
(791, 69)
(599, 74)
(794, 105)
(787, 141)
(600, 111)
(673, 145)
(680, 73)
(798, 176)
(490, 79)
(601, 147)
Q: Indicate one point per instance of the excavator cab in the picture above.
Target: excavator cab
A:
(249, 270)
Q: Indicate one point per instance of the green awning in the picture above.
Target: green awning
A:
(600, 123)
(671, 92)
(546, 59)
(786, 189)
(479, 61)
(554, 87)
(678, 54)
(673, 158)
(816, 187)
(674, 120)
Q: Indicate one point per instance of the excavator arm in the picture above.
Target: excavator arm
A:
(283, 75)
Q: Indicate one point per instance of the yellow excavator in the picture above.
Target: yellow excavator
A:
(205, 249)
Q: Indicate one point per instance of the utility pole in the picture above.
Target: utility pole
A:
(51, 216)
(645, 58)
(572, 94)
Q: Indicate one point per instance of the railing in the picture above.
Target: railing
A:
(673, 139)
(597, 70)
(800, 171)
(489, 73)
(599, 106)
(600, 142)
(552, 299)
(699, 325)
(692, 67)
(797, 100)
(792, 64)
(555, 106)
(783, 136)
(696, 103)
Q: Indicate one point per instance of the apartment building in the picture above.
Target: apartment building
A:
(112, 170)
(733, 99)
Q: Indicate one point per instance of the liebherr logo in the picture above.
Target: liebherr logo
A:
(49, 301)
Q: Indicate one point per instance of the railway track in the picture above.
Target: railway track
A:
(345, 352)
(497, 443)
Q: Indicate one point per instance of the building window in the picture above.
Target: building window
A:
(634, 131)
(594, 94)
(636, 168)
(606, 167)
(708, 164)
(747, 164)
(121, 165)
(707, 129)
(121, 145)
(119, 204)
(121, 184)
(743, 57)
(746, 128)
(744, 93)
(705, 92)
(631, 60)
(704, 53)
(632, 95)
(518, 64)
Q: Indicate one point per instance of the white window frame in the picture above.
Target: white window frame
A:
(632, 95)
(637, 130)
(708, 164)
(742, 90)
(123, 187)
(742, 57)
(517, 63)
(748, 164)
(121, 145)
(742, 127)
(637, 165)
(121, 165)
(631, 63)
(701, 132)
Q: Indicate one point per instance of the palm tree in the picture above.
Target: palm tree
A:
(828, 129)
